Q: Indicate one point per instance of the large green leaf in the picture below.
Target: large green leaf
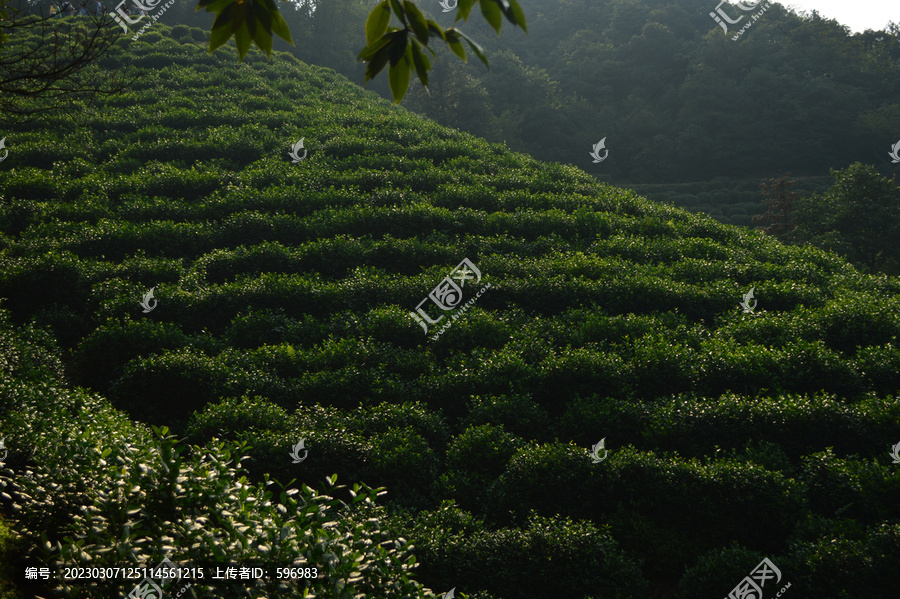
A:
(250, 22)
(370, 51)
(476, 48)
(516, 15)
(417, 21)
(222, 28)
(463, 9)
(214, 6)
(378, 21)
(280, 28)
(490, 9)
(422, 63)
(398, 9)
(453, 40)
(378, 61)
(436, 30)
(260, 32)
(398, 77)
(243, 40)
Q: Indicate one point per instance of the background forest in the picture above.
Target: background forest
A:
(691, 117)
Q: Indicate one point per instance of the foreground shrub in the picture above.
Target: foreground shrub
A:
(194, 509)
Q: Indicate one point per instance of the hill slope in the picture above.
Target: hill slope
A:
(280, 313)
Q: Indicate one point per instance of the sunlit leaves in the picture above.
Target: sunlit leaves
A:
(398, 75)
(378, 21)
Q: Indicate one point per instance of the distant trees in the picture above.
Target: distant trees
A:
(779, 201)
(858, 217)
(678, 100)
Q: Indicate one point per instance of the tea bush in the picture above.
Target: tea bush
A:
(800, 425)
(517, 413)
(103, 355)
(233, 415)
(864, 491)
(857, 565)
(169, 387)
(562, 557)
(720, 570)
(474, 459)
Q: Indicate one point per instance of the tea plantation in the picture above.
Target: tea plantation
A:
(140, 428)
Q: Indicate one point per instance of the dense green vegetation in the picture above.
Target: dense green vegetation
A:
(284, 292)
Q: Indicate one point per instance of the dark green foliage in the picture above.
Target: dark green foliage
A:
(858, 217)
(861, 563)
(403, 462)
(719, 571)
(285, 293)
(855, 321)
(651, 499)
(28, 356)
(168, 388)
(547, 478)
(385, 417)
(101, 357)
(799, 424)
(518, 414)
(233, 416)
(51, 279)
(549, 552)
(862, 490)
(474, 460)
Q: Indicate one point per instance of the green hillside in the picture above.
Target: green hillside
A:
(282, 294)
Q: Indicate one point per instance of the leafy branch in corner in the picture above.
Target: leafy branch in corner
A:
(255, 22)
